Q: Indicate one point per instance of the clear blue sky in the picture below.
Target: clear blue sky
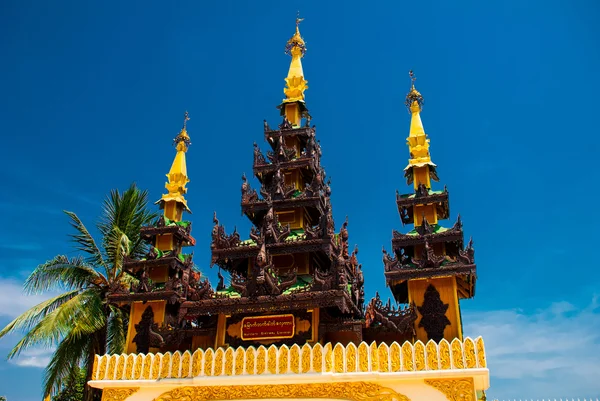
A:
(92, 94)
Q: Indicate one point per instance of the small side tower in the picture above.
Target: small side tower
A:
(165, 277)
(429, 268)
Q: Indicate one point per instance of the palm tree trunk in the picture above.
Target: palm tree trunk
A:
(98, 348)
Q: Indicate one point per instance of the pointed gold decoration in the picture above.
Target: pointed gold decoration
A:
(177, 176)
(295, 82)
(417, 141)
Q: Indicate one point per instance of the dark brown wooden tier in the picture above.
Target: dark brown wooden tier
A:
(326, 246)
(173, 262)
(263, 167)
(429, 233)
(406, 204)
(256, 210)
(338, 299)
(180, 234)
(171, 295)
(288, 131)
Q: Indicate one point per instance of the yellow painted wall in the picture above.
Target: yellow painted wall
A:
(429, 211)
(446, 286)
(164, 242)
(202, 342)
(292, 113)
(173, 210)
(137, 308)
(159, 274)
(292, 141)
(421, 176)
(286, 263)
(294, 217)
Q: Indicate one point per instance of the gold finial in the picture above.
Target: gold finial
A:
(295, 82)
(298, 19)
(411, 74)
(182, 141)
(296, 41)
(414, 99)
(186, 118)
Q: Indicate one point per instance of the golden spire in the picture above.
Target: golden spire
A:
(295, 82)
(177, 176)
(418, 143)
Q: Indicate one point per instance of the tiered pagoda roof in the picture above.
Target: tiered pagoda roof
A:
(293, 258)
(429, 249)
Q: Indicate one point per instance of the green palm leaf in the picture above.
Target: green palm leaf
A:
(84, 240)
(80, 322)
(62, 272)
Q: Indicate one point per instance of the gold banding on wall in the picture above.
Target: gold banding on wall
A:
(354, 391)
(467, 354)
(455, 389)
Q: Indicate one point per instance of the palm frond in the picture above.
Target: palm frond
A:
(62, 272)
(129, 212)
(116, 331)
(65, 361)
(116, 245)
(82, 313)
(32, 317)
(84, 240)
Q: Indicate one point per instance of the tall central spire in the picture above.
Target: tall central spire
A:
(293, 106)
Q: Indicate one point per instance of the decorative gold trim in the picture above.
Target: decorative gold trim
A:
(318, 358)
(455, 389)
(355, 391)
(118, 394)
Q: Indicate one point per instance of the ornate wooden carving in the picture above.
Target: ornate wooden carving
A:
(393, 319)
(146, 333)
(433, 312)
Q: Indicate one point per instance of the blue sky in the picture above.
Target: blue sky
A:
(94, 92)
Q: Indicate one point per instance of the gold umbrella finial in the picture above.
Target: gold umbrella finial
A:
(413, 95)
(186, 118)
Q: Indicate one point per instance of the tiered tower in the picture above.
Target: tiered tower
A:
(166, 276)
(294, 280)
(429, 268)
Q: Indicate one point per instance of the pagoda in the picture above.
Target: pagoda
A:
(294, 268)
(429, 267)
(290, 321)
(166, 277)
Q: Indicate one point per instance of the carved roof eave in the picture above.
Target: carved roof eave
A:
(300, 131)
(402, 240)
(401, 320)
(171, 261)
(262, 205)
(145, 296)
(304, 300)
(422, 200)
(454, 269)
(300, 162)
(283, 248)
(179, 233)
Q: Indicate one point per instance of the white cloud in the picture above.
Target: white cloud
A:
(35, 357)
(13, 301)
(548, 353)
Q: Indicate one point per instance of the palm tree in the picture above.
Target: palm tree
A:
(80, 322)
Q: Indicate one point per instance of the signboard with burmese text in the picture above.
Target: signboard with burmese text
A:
(268, 327)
